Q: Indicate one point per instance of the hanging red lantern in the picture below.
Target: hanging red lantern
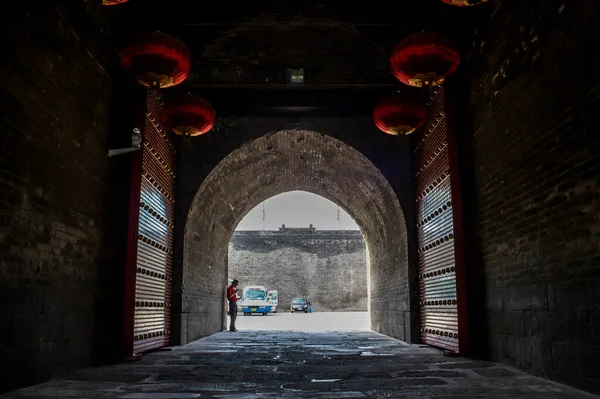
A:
(188, 116)
(424, 60)
(464, 3)
(113, 2)
(157, 60)
(399, 115)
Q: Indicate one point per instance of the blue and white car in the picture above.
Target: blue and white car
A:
(254, 300)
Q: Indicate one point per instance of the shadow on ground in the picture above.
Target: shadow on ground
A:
(284, 364)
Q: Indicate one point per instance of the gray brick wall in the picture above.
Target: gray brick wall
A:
(534, 100)
(220, 180)
(330, 267)
(63, 203)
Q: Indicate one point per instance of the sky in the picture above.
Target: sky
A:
(297, 209)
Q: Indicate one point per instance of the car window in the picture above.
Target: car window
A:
(254, 294)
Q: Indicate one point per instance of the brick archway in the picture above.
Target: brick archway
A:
(286, 161)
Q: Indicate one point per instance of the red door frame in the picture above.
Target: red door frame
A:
(457, 212)
(135, 192)
(131, 260)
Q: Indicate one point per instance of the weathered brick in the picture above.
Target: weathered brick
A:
(63, 202)
(260, 52)
(535, 184)
(217, 187)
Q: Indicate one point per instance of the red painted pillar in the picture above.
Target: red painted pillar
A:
(458, 221)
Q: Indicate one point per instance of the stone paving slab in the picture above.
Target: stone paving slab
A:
(284, 364)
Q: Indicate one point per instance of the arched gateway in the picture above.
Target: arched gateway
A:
(286, 161)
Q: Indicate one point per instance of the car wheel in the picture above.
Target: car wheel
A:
(306, 311)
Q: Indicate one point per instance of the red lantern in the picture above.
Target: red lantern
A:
(188, 116)
(424, 59)
(157, 60)
(464, 3)
(399, 115)
(113, 2)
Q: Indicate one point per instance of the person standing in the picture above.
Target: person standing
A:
(309, 303)
(232, 298)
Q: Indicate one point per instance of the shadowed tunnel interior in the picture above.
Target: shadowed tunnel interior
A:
(286, 161)
(524, 111)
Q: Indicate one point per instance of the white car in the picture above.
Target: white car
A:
(273, 299)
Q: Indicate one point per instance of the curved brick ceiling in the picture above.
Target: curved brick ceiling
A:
(280, 162)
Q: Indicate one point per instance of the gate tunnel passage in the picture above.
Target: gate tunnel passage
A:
(286, 161)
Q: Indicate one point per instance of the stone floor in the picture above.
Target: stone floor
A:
(306, 322)
(284, 364)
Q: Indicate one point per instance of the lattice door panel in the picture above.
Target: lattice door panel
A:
(154, 253)
(436, 231)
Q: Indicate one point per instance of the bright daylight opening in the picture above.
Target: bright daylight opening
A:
(301, 261)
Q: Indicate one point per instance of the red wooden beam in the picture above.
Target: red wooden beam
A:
(457, 212)
(132, 236)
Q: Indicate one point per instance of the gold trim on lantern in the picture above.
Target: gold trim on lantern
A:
(188, 131)
(400, 130)
(152, 80)
(426, 79)
(467, 2)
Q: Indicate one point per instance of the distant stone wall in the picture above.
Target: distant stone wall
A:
(330, 267)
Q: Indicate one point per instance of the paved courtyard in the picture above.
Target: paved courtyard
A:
(307, 322)
(300, 364)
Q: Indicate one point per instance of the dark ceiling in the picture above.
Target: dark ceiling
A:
(197, 22)
(181, 12)
(201, 24)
